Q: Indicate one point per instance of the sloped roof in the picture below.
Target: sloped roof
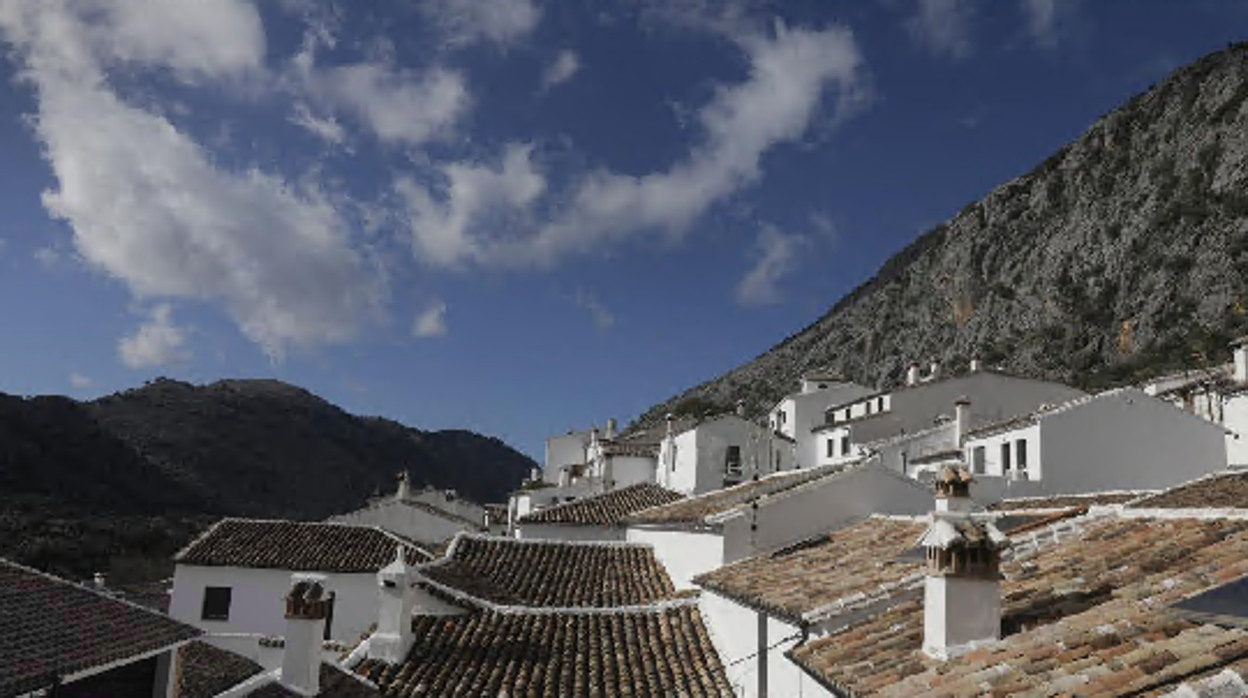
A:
(297, 546)
(334, 683)
(54, 628)
(512, 572)
(1065, 501)
(658, 654)
(855, 561)
(695, 510)
(1082, 616)
(1221, 491)
(205, 670)
(605, 509)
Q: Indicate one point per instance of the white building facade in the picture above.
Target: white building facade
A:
(798, 414)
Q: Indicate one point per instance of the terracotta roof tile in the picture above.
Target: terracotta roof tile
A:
(52, 627)
(695, 510)
(335, 683)
(660, 654)
(1067, 501)
(793, 581)
(513, 572)
(606, 509)
(1223, 491)
(1085, 614)
(292, 545)
(204, 670)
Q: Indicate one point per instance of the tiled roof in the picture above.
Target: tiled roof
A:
(292, 545)
(1223, 491)
(1084, 616)
(802, 578)
(1064, 501)
(448, 515)
(659, 654)
(606, 509)
(204, 671)
(511, 572)
(614, 448)
(497, 512)
(695, 510)
(335, 683)
(50, 627)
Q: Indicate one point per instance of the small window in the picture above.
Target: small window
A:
(978, 458)
(879, 404)
(844, 445)
(1005, 456)
(674, 452)
(329, 618)
(1020, 454)
(823, 386)
(216, 603)
(831, 447)
(732, 459)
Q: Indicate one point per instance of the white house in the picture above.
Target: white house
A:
(426, 516)
(719, 451)
(796, 415)
(699, 534)
(1118, 439)
(1219, 394)
(62, 638)
(916, 418)
(226, 580)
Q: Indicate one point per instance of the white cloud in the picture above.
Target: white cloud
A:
(48, 257)
(77, 380)
(561, 69)
(1050, 21)
(603, 318)
(471, 198)
(149, 207)
(397, 105)
(466, 22)
(823, 226)
(327, 129)
(777, 257)
(156, 342)
(431, 322)
(943, 27)
(776, 104)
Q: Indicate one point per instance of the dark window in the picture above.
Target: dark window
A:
(329, 617)
(1020, 454)
(844, 445)
(978, 456)
(1005, 456)
(879, 404)
(732, 460)
(216, 603)
(831, 447)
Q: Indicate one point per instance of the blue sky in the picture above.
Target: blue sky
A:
(512, 216)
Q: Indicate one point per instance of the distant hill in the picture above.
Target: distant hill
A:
(135, 474)
(1122, 255)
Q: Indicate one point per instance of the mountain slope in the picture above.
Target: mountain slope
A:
(1119, 256)
(120, 483)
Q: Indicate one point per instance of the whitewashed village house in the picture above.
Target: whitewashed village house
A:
(699, 534)
(65, 639)
(797, 414)
(1218, 393)
(226, 580)
(428, 516)
(717, 451)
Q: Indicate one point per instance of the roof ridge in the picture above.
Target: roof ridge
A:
(552, 542)
(458, 595)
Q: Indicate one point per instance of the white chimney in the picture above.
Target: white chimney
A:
(740, 408)
(912, 373)
(935, 369)
(535, 474)
(98, 581)
(565, 476)
(405, 488)
(961, 418)
(669, 418)
(611, 428)
(307, 607)
(976, 364)
(962, 592)
(393, 638)
(1239, 349)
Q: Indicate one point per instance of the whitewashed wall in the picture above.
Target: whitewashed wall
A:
(569, 532)
(821, 506)
(415, 523)
(899, 454)
(1235, 416)
(735, 632)
(993, 462)
(684, 554)
(632, 470)
(455, 504)
(257, 603)
(568, 449)
(1127, 440)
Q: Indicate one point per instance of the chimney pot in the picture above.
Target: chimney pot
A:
(1239, 349)
(98, 581)
(961, 418)
(740, 408)
(912, 373)
(976, 364)
(307, 607)
(934, 373)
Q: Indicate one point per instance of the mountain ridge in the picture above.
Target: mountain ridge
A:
(1118, 256)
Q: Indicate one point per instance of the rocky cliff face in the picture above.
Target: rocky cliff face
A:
(1123, 254)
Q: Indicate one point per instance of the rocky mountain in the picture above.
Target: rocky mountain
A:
(133, 475)
(1123, 254)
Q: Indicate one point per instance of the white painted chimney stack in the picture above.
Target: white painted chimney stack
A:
(740, 408)
(962, 592)
(307, 606)
(934, 373)
(976, 364)
(1239, 349)
(961, 418)
(611, 428)
(393, 637)
(405, 487)
(912, 373)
